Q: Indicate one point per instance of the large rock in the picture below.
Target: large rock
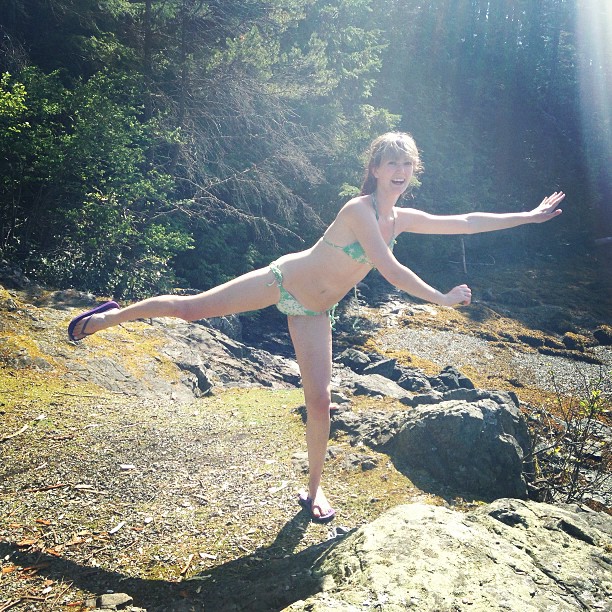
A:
(353, 359)
(510, 555)
(375, 385)
(474, 443)
(477, 447)
(226, 361)
(385, 367)
(204, 358)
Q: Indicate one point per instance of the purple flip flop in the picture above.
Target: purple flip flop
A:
(306, 503)
(101, 308)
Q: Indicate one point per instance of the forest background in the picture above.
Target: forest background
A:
(153, 144)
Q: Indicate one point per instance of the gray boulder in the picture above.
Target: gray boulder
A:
(353, 359)
(384, 367)
(451, 378)
(378, 385)
(509, 555)
(414, 381)
(475, 446)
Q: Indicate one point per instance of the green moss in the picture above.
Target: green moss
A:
(575, 342)
(404, 358)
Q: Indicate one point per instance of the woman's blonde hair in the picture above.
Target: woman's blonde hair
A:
(389, 145)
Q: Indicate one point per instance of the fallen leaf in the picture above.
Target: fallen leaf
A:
(43, 521)
(282, 486)
(186, 568)
(9, 569)
(116, 528)
(204, 555)
(26, 543)
(36, 567)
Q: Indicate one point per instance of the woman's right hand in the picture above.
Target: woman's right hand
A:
(461, 294)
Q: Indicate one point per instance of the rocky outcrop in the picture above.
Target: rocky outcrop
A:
(202, 357)
(468, 440)
(471, 441)
(213, 358)
(509, 555)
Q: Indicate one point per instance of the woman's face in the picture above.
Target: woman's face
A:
(394, 174)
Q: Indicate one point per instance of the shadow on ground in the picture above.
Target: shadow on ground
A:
(270, 578)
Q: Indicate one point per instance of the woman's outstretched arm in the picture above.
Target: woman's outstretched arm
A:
(419, 222)
(362, 222)
(406, 280)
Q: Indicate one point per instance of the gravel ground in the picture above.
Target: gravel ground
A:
(527, 368)
(171, 504)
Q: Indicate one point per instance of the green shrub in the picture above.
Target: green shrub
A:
(574, 460)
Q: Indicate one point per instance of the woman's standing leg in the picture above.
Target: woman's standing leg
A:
(250, 291)
(312, 340)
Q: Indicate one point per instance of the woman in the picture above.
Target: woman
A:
(307, 285)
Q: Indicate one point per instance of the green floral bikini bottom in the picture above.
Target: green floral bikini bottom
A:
(289, 305)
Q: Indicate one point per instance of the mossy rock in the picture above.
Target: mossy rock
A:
(575, 342)
(529, 340)
(603, 335)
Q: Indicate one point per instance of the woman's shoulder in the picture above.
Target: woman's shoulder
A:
(354, 213)
(357, 206)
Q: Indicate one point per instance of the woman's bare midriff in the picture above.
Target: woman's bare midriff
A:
(321, 276)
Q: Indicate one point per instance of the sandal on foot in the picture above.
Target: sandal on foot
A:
(101, 308)
(306, 503)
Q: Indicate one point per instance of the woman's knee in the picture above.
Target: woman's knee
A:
(318, 405)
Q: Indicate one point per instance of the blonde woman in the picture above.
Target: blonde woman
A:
(307, 285)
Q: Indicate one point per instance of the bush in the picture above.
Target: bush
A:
(84, 203)
(571, 446)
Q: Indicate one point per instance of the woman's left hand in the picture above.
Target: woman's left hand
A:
(547, 209)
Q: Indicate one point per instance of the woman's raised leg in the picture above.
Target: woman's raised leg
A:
(250, 291)
(312, 340)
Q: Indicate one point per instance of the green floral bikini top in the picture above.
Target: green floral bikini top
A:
(355, 250)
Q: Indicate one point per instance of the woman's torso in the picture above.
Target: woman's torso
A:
(321, 276)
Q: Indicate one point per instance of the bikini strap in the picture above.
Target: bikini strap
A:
(278, 275)
(375, 204)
